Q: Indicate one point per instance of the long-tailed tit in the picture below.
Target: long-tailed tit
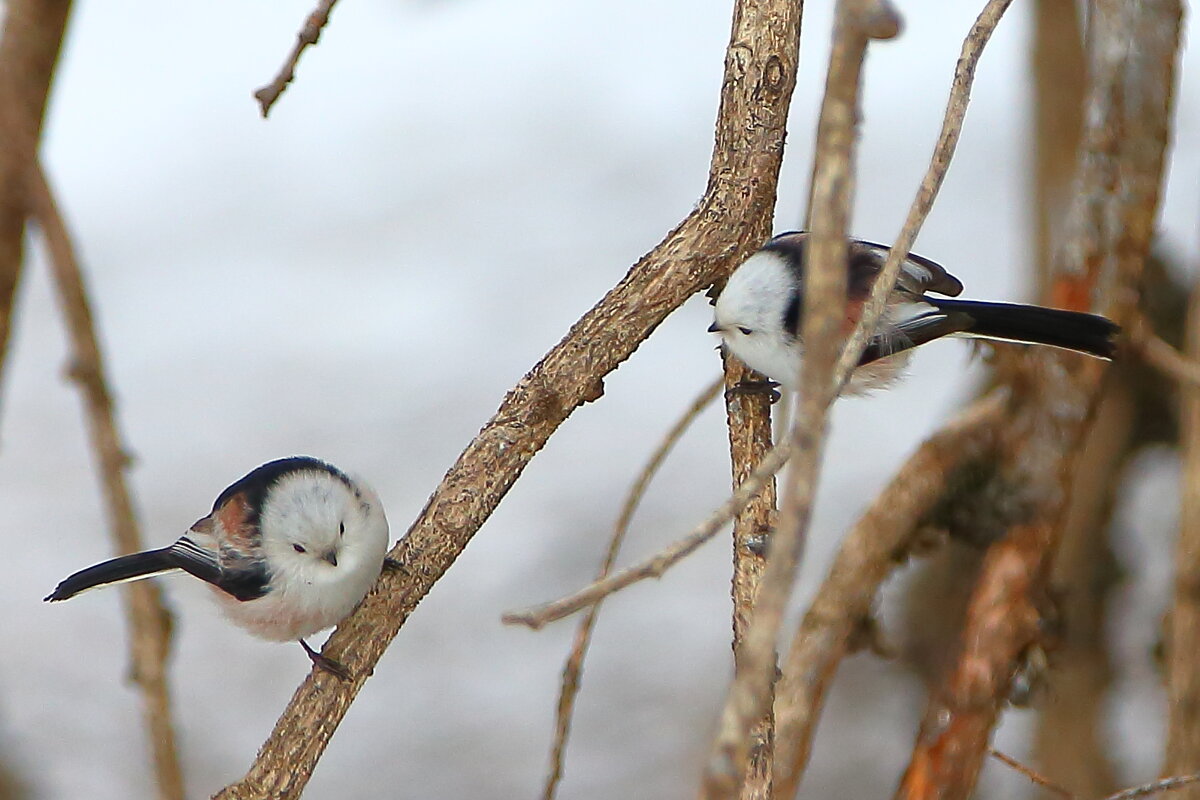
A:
(758, 314)
(289, 550)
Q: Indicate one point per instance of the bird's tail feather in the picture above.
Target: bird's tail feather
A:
(133, 567)
(1071, 330)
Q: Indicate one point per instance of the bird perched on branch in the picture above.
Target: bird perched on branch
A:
(289, 550)
(758, 314)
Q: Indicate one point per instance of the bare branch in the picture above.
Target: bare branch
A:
(310, 34)
(149, 622)
(583, 633)
(879, 543)
(749, 699)
(749, 423)
(1156, 787)
(1040, 780)
(956, 111)
(655, 566)
(723, 229)
(1162, 356)
(1183, 623)
(29, 49)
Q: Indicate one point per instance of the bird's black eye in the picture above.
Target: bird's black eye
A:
(745, 331)
(341, 529)
(299, 548)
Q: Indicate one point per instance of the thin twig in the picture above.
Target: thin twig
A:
(310, 34)
(583, 633)
(150, 623)
(956, 111)
(724, 228)
(878, 544)
(1156, 787)
(1162, 356)
(749, 697)
(653, 567)
(1040, 780)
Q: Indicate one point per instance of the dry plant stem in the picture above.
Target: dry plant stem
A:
(1162, 356)
(1157, 787)
(878, 544)
(749, 422)
(956, 111)
(310, 34)
(653, 567)
(856, 22)
(29, 49)
(150, 624)
(1040, 780)
(1106, 241)
(583, 633)
(759, 77)
(1183, 626)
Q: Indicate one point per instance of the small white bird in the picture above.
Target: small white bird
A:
(758, 314)
(289, 550)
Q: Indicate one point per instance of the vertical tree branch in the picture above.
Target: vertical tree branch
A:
(1111, 219)
(29, 49)
(749, 419)
(749, 698)
(760, 70)
(149, 622)
(1183, 626)
(1067, 741)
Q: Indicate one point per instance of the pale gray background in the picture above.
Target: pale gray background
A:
(444, 190)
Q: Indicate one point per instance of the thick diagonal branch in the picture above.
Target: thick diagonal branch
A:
(759, 76)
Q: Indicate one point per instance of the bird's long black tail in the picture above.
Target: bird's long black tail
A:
(117, 570)
(1071, 330)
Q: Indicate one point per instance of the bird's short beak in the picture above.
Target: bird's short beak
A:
(714, 328)
(331, 557)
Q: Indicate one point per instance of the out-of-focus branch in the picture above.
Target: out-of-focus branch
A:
(1106, 243)
(583, 633)
(856, 23)
(1067, 741)
(1183, 626)
(310, 34)
(1164, 358)
(29, 48)
(878, 544)
(760, 69)
(1059, 72)
(749, 419)
(149, 622)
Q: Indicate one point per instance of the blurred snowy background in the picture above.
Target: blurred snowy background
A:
(444, 190)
